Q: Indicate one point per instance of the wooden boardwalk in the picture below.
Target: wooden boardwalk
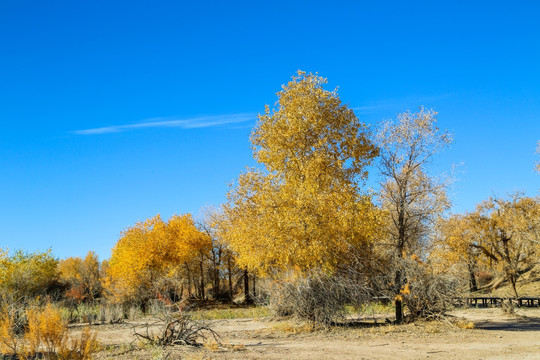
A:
(487, 301)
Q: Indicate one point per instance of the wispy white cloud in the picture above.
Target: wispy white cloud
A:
(404, 103)
(190, 123)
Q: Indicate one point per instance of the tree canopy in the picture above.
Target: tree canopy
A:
(25, 275)
(151, 250)
(303, 208)
(508, 233)
(411, 196)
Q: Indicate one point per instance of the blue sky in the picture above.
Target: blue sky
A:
(114, 111)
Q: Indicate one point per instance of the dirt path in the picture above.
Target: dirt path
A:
(495, 337)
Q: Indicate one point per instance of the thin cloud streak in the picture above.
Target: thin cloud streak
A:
(393, 103)
(192, 123)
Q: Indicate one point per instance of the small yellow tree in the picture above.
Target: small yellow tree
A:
(150, 251)
(82, 276)
(46, 334)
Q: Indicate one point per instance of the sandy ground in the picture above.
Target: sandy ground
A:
(495, 336)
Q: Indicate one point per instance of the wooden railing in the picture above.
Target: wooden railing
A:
(486, 301)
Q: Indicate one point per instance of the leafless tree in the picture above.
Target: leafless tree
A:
(409, 194)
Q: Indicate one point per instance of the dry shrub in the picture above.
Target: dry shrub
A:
(80, 348)
(318, 298)
(508, 308)
(426, 294)
(46, 330)
(9, 342)
(133, 313)
(46, 335)
(115, 313)
(176, 328)
(322, 299)
(111, 313)
(157, 307)
(15, 308)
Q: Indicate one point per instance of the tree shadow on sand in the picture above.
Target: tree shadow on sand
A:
(517, 324)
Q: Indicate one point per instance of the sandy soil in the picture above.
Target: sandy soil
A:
(495, 336)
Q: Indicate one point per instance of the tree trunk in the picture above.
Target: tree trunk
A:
(216, 262)
(472, 278)
(513, 281)
(216, 288)
(202, 294)
(189, 279)
(399, 255)
(229, 268)
(247, 295)
(494, 284)
(510, 270)
(398, 303)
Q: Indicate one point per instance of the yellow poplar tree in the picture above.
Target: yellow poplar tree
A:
(150, 251)
(303, 208)
(455, 245)
(82, 276)
(508, 233)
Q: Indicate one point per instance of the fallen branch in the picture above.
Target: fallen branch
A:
(177, 328)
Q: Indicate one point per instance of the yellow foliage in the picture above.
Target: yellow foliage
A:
(26, 274)
(9, 343)
(304, 209)
(467, 325)
(406, 289)
(311, 134)
(454, 243)
(47, 334)
(80, 348)
(45, 328)
(82, 276)
(502, 233)
(150, 250)
(411, 196)
(416, 258)
(507, 233)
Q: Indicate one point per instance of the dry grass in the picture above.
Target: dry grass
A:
(454, 336)
(294, 327)
(46, 335)
(215, 346)
(528, 285)
(523, 289)
(466, 325)
(231, 313)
